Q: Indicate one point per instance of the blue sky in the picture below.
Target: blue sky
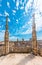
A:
(20, 18)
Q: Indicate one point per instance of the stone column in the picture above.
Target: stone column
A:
(6, 37)
(34, 39)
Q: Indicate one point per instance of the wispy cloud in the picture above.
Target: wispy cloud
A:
(38, 14)
(38, 21)
(38, 5)
(13, 12)
(28, 31)
(39, 38)
(17, 4)
(2, 35)
(13, 38)
(21, 7)
(6, 13)
(28, 5)
(17, 21)
(27, 26)
(25, 29)
(8, 4)
(9, 19)
(1, 26)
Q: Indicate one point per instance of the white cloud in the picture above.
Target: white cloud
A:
(13, 38)
(39, 37)
(38, 5)
(9, 19)
(27, 25)
(23, 3)
(8, 4)
(1, 26)
(2, 33)
(17, 4)
(28, 31)
(17, 21)
(14, 11)
(38, 21)
(6, 13)
(28, 5)
(38, 14)
(24, 26)
(22, 7)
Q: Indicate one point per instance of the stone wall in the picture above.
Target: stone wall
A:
(2, 50)
(15, 47)
(20, 49)
(40, 50)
